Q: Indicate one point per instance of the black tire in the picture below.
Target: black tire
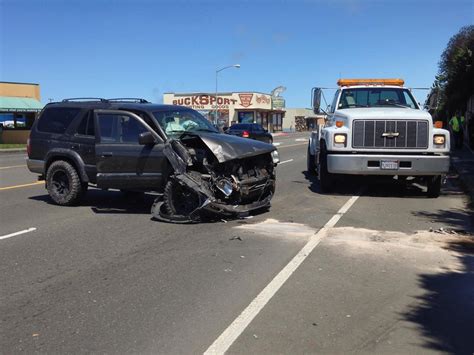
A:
(310, 162)
(434, 186)
(326, 179)
(64, 184)
(179, 201)
(270, 140)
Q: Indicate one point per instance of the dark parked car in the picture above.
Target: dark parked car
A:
(134, 145)
(250, 130)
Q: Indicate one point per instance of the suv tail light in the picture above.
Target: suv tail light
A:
(28, 147)
(245, 134)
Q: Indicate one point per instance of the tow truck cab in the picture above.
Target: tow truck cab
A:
(376, 127)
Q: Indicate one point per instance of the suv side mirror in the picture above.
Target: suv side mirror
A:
(316, 100)
(146, 138)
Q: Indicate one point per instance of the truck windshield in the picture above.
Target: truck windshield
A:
(177, 122)
(372, 97)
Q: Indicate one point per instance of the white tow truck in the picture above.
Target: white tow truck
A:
(376, 127)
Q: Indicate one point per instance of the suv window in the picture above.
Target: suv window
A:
(86, 127)
(57, 119)
(119, 129)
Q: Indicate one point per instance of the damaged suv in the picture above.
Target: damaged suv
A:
(133, 145)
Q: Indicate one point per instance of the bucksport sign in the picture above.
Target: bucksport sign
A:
(225, 102)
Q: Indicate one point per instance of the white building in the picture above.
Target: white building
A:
(233, 107)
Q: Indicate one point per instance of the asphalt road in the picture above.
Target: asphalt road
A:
(353, 271)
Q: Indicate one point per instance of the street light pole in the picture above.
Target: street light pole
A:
(217, 72)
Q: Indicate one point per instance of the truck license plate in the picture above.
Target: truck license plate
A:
(389, 164)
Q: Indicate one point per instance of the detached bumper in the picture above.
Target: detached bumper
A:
(411, 165)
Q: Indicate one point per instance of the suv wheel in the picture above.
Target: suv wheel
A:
(179, 201)
(434, 186)
(64, 185)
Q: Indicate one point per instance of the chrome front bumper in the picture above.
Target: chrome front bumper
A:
(368, 164)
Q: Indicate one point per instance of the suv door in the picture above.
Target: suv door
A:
(121, 161)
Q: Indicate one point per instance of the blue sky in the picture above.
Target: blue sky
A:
(145, 48)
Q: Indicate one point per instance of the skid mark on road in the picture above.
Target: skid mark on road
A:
(235, 329)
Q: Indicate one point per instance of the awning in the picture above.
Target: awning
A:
(19, 104)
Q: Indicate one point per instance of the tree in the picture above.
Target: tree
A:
(455, 81)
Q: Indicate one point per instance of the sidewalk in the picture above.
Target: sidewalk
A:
(463, 163)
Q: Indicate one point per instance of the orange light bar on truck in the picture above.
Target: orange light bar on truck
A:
(353, 82)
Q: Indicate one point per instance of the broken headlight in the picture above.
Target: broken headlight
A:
(275, 157)
(225, 186)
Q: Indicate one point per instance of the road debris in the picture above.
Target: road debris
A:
(236, 237)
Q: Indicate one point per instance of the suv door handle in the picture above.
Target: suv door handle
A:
(75, 146)
(106, 154)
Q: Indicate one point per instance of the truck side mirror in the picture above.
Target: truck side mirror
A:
(146, 138)
(316, 100)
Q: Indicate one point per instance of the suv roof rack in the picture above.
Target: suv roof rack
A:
(129, 99)
(85, 99)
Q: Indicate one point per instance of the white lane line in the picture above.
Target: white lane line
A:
(276, 144)
(234, 330)
(18, 233)
(285, 161)
(301, 139)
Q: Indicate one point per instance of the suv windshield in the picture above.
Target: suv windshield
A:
(177, 122)
(373, 97)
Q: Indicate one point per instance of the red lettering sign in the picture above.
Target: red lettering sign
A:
(246, 100)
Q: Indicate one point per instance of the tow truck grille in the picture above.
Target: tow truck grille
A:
(409, 134)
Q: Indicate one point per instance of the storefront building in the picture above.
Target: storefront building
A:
(229, 108)
(19, 107)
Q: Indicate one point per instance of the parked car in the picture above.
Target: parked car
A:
(134, 145)
(250, 130)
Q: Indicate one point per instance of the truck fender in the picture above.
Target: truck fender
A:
(67, 154)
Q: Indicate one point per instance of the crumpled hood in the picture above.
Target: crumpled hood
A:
(382, 113)
(226, 147)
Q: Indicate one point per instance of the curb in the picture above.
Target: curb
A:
(13, 150)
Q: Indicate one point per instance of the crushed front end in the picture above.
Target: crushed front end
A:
(202, 187)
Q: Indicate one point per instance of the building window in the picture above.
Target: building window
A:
(246, 117)
(17, 121)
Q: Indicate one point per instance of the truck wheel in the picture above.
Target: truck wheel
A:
(326, 179)
(63, 183)
(434, 186)
(310, 162)
(179, 201)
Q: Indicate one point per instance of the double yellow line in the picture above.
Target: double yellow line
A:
(23, 185)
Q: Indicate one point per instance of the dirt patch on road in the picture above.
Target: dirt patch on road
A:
(280, 230)
(423, 250)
